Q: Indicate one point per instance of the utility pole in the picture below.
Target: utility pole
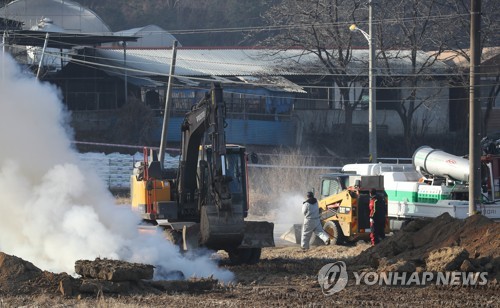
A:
(4, 40)
(40, 64)
(372, 95)
(125, 79)
(372, 105)
(474, 108)
(168, 97)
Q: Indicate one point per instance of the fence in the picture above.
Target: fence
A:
(115, 169)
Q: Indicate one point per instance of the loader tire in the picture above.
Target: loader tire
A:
(333, 229)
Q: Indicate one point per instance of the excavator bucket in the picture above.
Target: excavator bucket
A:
(293, 234)
(258, 234)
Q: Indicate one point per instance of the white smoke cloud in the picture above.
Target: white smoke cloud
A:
(290, 209)
(54, 209)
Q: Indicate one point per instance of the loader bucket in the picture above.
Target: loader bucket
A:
(293, 234)
(258, 234)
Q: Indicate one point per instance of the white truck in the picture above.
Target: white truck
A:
(436, 182)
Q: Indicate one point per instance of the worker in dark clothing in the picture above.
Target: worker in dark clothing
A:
(378, 213)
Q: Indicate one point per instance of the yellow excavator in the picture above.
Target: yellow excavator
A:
(206, 203)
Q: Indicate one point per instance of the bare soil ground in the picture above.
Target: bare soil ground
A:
(286, 276)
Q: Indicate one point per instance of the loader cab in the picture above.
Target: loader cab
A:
(344, 204)
(333, 183)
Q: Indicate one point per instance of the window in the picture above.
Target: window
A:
(234, 170)
(488, 89)
(388, 96)
(183, 100)
(316, 98)
(330, 187)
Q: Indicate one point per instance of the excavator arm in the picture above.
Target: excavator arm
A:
(208, 116)
(221, 221)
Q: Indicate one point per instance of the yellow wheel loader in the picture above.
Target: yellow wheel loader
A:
(344, 208)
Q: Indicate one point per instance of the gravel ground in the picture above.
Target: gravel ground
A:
(286, 276)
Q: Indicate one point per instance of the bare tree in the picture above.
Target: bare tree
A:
(320, 28)
(406, 29)
(490, 40)
(412, 31)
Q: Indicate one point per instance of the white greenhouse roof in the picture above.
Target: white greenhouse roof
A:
(252, 62)
(66, 14)
(150, 36)
(204, 62)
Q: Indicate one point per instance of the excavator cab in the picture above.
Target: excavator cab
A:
(235, 174)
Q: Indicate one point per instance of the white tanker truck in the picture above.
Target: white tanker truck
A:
(436, 182)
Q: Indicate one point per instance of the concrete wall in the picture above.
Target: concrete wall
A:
(433, 113)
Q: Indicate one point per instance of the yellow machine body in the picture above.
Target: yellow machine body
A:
(344, 205)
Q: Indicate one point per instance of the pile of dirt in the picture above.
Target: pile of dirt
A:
(440, 244)
(100, 276)
(113, 270)
(18, 276)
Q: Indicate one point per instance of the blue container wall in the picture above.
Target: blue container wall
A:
(239, 131)
(275, 101)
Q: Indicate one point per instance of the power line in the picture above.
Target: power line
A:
(256, 83)
(93, 64)
(447, 71)
(322, 99)
(318, 24)
(292, 26)
(104, 66)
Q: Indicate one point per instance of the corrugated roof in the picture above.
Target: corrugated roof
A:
(253, 62)
(273, 83)
(459, 59)
(204, 62)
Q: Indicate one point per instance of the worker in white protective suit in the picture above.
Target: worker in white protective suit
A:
(312, 223)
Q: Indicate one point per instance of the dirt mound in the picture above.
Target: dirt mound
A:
(442, 243)
(13, 269)
(18, 276)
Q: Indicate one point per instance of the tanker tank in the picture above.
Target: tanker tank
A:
(431, 162)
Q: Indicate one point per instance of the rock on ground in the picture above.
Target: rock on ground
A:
(113, 270)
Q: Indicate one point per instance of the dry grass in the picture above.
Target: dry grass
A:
(288, 177)
(268, 186)
(135, 122)
(122, 200)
